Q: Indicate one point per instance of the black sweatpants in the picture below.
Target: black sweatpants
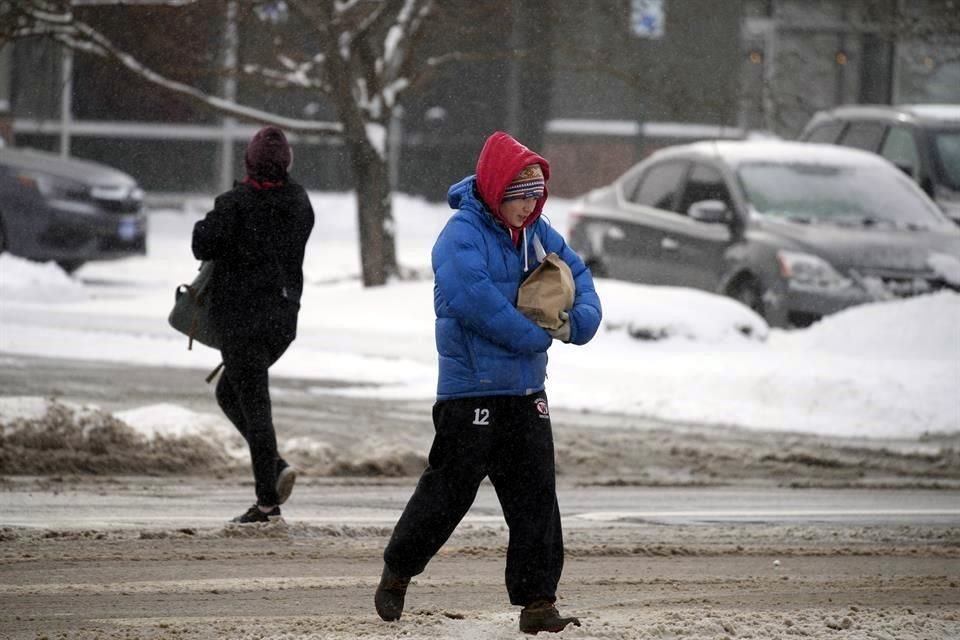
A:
(243, 393)
(509, 439)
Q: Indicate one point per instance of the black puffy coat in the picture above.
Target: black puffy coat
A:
(256, 238)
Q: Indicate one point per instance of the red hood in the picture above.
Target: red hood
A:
(501, 159)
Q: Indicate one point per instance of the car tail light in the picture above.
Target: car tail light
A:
(28, 181)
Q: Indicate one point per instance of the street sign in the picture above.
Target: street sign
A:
(647, 18)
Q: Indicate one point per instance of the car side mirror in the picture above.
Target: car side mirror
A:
(709, 211)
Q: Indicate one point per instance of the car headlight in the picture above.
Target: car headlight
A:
(810, 271)
(117, 192)
(51, 186)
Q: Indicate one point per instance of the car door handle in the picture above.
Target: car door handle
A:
(669, 244)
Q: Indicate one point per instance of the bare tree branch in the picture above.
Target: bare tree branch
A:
(399, 42)
(63, 27)
(357, 53)
(133, 3)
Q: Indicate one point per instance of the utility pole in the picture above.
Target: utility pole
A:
(231, 45)
(513, 81)
(66, 99)
(6, 118)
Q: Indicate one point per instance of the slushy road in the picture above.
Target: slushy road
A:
(134, 502)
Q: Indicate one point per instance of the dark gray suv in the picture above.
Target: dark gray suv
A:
(923, 140)
(68, 210)
(793, 230)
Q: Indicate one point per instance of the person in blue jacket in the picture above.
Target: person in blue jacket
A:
(491, 416)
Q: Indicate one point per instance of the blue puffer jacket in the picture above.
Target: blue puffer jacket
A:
(485, 346)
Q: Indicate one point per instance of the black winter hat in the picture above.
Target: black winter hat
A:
(268, 155)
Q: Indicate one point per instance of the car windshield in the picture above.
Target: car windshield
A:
(946, 149)
(837, 194)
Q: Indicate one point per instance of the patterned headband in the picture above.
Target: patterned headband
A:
(529, 184)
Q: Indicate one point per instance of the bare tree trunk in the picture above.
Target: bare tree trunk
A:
(378, 257)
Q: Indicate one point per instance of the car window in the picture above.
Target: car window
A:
(839, 193)
(900, 149)
(658, 186)
(863, 135)
(629, 182)
(825, 133)
(946, 148)
(704, 183)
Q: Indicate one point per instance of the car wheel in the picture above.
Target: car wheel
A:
(3, 238)
(749, 292)
(70, 265)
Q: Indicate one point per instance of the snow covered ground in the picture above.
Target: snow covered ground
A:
(888, 370)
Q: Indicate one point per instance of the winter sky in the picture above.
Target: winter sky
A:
(886, 370)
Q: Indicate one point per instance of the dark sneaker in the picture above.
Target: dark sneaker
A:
(542, 615)
(254, 514)
(286, 478)
(390, 594)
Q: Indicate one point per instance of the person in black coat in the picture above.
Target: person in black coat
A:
(256, 235)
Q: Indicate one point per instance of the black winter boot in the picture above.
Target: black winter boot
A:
(255, 514)
(286, 477)
(542, 615)
(390, 594)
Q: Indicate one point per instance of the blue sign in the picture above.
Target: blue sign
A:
(647, 18)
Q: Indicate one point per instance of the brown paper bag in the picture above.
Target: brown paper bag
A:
(546, 292)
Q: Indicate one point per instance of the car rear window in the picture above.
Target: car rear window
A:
(841, 193)
(863, 135)
(825, 133)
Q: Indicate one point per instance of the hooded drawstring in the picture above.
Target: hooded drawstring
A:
(526, 256)
(537, 247)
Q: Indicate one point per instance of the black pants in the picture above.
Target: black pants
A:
(243, 393)
(510, 440)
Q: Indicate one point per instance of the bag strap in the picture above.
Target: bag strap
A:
(213, 374)
(199, 295)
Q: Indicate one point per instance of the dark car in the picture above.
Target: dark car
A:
(923, 140)
(793, 230)
(68, 210)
